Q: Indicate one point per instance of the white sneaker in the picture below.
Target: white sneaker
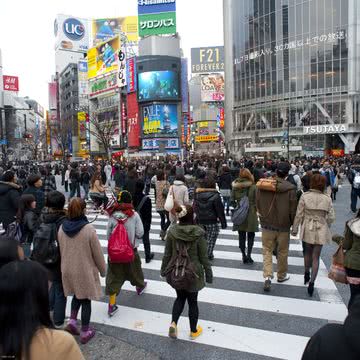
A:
(283, 279)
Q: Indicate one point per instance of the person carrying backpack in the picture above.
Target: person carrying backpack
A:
(186, 241)
(143, 206)
(354, 179)
(244, 186)
(122, 214)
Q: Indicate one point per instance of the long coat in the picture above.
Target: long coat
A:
(315, 213)
(82, 260)
(240, 188)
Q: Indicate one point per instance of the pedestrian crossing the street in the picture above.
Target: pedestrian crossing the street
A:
(239, 320)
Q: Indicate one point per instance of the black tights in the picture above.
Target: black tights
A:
(85, 305)
(312, 258)
(354, 289)
(242, 242)
(179, 304)
(164, 219)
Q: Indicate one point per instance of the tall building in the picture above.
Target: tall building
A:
(292, 76)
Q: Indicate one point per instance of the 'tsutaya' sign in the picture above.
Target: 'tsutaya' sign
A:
(325, 129)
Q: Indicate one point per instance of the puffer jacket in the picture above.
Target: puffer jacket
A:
(9, 202)
(277, 209)
(209, 208)
(194, 237)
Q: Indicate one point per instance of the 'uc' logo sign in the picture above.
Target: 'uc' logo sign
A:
(74, 29)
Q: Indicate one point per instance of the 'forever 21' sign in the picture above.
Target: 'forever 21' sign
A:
(207, 60)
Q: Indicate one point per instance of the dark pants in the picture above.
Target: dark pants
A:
(85, 305)
(66, 183)
(355, 193)
(75, 188)
(146, 242)
(57, 302)
(179, 304)
(242, 242)
(354, 289)
(164, 219)
(86, 189)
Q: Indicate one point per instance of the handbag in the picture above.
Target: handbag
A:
(337, 271)
(170, 200)
(267, 184)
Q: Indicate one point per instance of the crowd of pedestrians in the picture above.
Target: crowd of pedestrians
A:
(49, 240)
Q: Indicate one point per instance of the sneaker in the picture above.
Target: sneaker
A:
(283, 279)
(194, 335)
(173, 331)
(72, 328)
(87, 335)
(267, 284)
(141, 290)
(112, 310)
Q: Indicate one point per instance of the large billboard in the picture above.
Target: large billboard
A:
(207, 59)
(52, 95)
(11, 83)
(103, 58)
(212, 88)
(160, 120)
(102, 85)
(105, 29)
(158, 85)
(71, 34)
(134, 127)
(154, 144)
(155, 6)
(157, 24)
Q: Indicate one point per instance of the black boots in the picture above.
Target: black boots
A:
(311, 288)
(306, 277)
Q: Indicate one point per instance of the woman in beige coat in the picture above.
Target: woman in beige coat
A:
(315, 213)
(81, 262)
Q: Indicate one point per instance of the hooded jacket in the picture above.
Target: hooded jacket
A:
(277, 210)
(194, 238)
(209, 208)
(9, 201)
(335, 341)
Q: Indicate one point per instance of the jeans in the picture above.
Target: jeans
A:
(57, 302)
(355, 193)
(269, 240)
(75, 188)
(86, 190)
(191, 297)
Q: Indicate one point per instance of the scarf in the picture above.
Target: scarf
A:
(127, 209)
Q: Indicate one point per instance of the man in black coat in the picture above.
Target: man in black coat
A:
(10, 193)
(336, 341)
(142, 204)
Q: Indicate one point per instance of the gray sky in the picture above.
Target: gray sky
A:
(27, 36)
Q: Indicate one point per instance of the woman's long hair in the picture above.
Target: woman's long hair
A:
(24, 306)
(24, 204)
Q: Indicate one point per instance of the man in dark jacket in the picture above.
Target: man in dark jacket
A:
(74, 180)
(354, 179)
(142, 204)
(209, 210)
(35, 188)
(336, 341)
(55, 213)
(9, 198)
(277, 211)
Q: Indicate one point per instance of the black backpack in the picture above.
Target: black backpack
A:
(180, 272)
(45, 244)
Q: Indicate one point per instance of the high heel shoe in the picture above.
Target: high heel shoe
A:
(306, 277)
(311, 288)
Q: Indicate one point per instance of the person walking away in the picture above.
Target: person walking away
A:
(191, 236)
(162, 187)
(48, 181)
(10, 251)
(108, 173)
(354, 179)
(180, 193)
(143, 206)
(75, 181)
(131, 178)
(351, 244)
(315, 214)
(85, 181)
(35, 188)
(277, 209)
(82, 260)
(28, 220)
(119, 178)
(10, 193)
(30, 334)
(244, 186)
(118, 273)
(333, 340)
(209, 210)
(224, 182)
(97, 190)
(67, 178)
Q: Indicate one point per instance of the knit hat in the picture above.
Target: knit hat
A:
(124, 197)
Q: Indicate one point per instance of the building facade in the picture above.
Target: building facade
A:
(292, 76)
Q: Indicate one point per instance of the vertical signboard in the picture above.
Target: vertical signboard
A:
(11, 83)
(184, 86)
(133, 120)
(52, 95)
(123, 115)
(83, 78)
(131, 77)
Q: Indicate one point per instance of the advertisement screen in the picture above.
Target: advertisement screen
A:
(160, 120)
(212, 87)
(158, 85)
(105, 29)
(103, 58)
(154, 144)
